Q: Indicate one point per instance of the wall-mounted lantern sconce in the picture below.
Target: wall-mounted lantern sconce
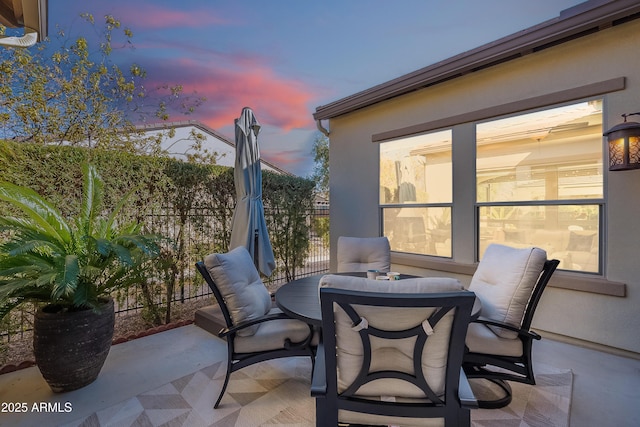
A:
(624, 145)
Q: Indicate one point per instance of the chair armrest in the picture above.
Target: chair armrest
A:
(319, 375)
(520, 331)
(465, 393)
(266, 318)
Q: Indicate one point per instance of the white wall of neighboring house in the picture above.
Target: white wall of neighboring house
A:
(181, 144)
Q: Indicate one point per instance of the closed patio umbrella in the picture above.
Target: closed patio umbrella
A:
(248, 226)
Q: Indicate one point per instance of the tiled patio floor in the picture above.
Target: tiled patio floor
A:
(606, 387)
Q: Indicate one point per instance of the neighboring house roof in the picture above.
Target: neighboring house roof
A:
(180, 145)
(578, 21)
(32, 15)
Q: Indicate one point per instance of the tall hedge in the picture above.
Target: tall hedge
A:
(190, 203)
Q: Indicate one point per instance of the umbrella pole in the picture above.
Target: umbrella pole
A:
(255, 248)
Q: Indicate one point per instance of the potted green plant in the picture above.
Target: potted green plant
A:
(69, 269)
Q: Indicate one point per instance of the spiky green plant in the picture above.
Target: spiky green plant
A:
(75, 263)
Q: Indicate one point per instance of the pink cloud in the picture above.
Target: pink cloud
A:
(149, 15)
(233, 84)
(286, 158)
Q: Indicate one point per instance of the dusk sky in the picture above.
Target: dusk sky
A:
(285, 58)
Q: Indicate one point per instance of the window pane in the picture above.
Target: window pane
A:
(569, 233)
(418, 230)
(416, 169)
(554, 154)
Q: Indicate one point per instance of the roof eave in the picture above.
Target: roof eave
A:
(32, 15)
(572, 23)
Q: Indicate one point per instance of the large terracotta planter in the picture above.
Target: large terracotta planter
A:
(70, 347)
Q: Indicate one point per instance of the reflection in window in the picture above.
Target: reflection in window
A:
(416, 169)
(416, 193)
(569, 233)
(539, 182)
(419, 230)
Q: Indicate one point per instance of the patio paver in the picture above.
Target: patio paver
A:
(606, 387)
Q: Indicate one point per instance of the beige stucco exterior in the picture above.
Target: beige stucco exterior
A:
(608, 54)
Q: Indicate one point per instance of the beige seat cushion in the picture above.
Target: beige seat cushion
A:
(481, 339)
(383, 420)
(237, 279)
(392, 354)
(504, 281)
(415, 285)
(272, 335)
(363, 253)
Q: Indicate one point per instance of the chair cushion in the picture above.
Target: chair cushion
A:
(271, 335)
(481, 339)
(349, 351)
(237, 279)
(361, 418)
(504, 281)
(357, 254)
(417, 285)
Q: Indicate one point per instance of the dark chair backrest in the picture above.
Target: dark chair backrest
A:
(545, 275)
(216, 292)
(447, 314)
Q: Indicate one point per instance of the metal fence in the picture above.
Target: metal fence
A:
(193, 237)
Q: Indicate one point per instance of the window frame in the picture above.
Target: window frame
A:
(464, 260)
(600, 202)
(468, 143)
(418, 205)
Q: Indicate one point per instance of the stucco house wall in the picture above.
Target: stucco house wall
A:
(607, 55)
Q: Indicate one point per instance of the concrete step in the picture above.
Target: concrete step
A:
(210, 319)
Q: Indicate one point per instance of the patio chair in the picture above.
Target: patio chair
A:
(392, 356)
(255, 331)
(509, 282)
(358, 254)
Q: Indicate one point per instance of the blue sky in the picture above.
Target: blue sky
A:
(284, 58)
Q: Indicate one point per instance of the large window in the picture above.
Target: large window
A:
(539, 182)
(416, 193)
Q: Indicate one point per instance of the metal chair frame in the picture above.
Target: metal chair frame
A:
(236, 361)
(520, 367)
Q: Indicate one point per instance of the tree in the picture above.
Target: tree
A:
(72, 92)
(320, 152)
(320, 175)
(288, 201)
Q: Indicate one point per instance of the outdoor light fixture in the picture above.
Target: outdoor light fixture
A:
(624, 145)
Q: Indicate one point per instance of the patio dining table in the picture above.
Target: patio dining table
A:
(300, 299)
